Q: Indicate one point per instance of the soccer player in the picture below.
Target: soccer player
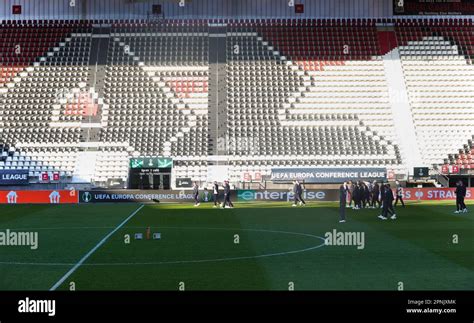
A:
(389, 200)
(215, 190)
(359, 195)
(343, 190)
(369, 200)
(399, 194)
(356, 196)
(227, 203)
(297, 191)
(366, 195)
(196, 194)
(375, 195)
(350, 190)
(382, 194)
(460, 195)
(387, 203)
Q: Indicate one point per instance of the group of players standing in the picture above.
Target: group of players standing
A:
(369, 195)
(216, 193)
(362, 194)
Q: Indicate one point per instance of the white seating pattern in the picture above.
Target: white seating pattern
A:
(440, 86)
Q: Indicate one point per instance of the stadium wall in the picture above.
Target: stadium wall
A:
(141, 9)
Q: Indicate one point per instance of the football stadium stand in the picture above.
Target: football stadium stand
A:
(81, 98)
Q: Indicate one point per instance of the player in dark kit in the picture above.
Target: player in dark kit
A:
(360, 195)
(215, 191)
(387, 203)
(356, 196)
(196, 194)
(399, 194)
(382, 194)
(460, 195)
(350, 193)
(366, 195)
(297, 192)
(343, 190)
(227, 203)
(375, 195)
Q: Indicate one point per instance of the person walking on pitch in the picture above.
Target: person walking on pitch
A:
(215, 191)
(390, 202)
(399, 194)
(356, 196)
(359, 194)
(196, 194)
(227, 202)
(382, 194)
(375, 195)
(343, 190)
(350, 190)
(297, 191)
(460, 195)
(387, 206)
(366, 200)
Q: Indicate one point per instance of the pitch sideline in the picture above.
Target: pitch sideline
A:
(97, 246)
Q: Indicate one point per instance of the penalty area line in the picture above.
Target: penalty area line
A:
(97, 246)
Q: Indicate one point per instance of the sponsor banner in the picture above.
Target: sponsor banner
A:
(328, 175)
(143, 196)
(184, 182)
(434, 194)
(66, 196)
(287, 195)
(410, 194)
(433, 7)
(14, 177)
(38, 197)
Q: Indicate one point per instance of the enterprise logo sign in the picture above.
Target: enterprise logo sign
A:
(252, 195)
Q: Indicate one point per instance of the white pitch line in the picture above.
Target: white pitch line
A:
(188, 261)
(97, 246)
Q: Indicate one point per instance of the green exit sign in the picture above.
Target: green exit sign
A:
(152, 162)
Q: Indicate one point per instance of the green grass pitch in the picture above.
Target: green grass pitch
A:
(278, 246)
